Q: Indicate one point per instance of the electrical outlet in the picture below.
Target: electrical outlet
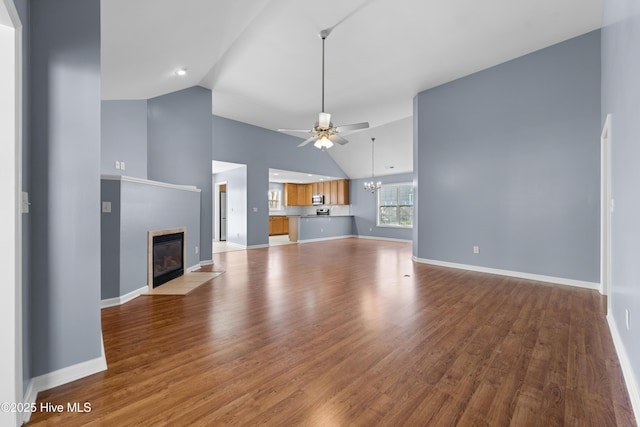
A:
(322, 230)
(197, 249)
(122, 165)
(106, 207)
(628, 319)
(476, 249)
(117, 164)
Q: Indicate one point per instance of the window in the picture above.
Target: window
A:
(275, 201)
(395, 205)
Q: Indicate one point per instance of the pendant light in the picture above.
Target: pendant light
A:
(371, 185)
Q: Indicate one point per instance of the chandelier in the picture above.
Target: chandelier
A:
(370, 185)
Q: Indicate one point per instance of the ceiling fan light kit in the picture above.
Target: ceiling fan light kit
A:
(325, 135)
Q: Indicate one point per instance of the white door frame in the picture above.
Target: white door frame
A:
(606, 204)
(11, 369)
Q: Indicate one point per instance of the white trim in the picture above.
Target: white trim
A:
(194, 268)
(323, 239)
(62, 376)
(630, 378)
(256, 246)
(149, 182)
(112, 302)
(517, 274)
(605, 210)
(390, 239)
(11, 370)
(206, 262)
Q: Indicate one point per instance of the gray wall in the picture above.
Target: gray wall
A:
(364, 208)
(620, 95)
(236, 180)
(64, 173)
(124, 138)
(324, 227)
(110, 231)
(179, 149)
(508, 159)
(136, 209)
(261, 149)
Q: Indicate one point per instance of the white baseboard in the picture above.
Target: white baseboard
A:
(257, 246)
(62, 376)
(194, 268)
(206, 262)
(323, 239)
(388, 239)
(112, 302)
(517, 274)
(630, 378)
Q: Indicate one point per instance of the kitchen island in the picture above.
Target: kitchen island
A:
(319, 227)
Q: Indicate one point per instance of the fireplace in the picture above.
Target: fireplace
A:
(166, 256)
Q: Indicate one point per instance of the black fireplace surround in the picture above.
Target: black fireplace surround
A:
(168, 255)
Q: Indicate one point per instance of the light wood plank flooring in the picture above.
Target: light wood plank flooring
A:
(352, 332)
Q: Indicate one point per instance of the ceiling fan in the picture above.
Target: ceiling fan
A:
(325, 134)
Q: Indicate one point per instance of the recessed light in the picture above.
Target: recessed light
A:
(181, 72)
(276, 174)
(309, 174)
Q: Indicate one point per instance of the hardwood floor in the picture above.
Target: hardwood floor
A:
(352, 332)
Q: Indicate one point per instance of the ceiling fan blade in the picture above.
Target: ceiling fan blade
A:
(306, 141)
(350, 128)
(337, 139)
(295, 130)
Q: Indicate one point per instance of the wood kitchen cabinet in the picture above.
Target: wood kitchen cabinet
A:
(343, 192)
(278, 225)
(316, 188)
(335, 192)
(290, 194)
(326, 192)
(302, 195)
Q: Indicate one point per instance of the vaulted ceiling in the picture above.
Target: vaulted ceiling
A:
(262, 58)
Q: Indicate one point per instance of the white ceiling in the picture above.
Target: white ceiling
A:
(262, 58)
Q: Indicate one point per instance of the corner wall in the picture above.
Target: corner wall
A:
(64, 90)
(179, 149)
(620, 98)
(508, 159)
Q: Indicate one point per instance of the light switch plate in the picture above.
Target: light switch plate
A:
(106, 207)
(122, 165)
(25, 202)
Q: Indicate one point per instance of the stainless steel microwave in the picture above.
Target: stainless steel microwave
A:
(317, 199)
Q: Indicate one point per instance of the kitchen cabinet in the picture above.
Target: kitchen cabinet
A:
(290, 194)
(335, 192)
(304, 195)
(343, 192)
(278, 225)
(326, 191)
